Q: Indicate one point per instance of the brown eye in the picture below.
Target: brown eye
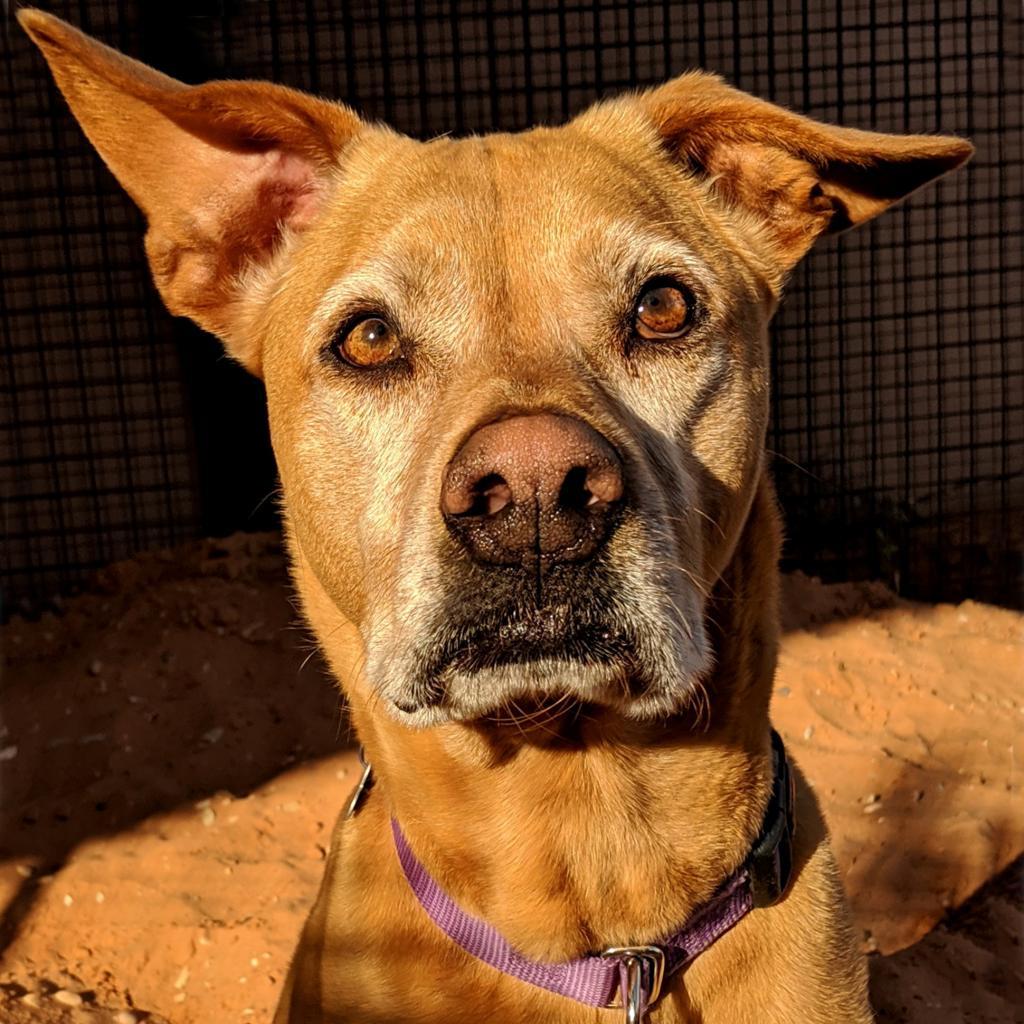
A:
(371, 342)
(664, 311)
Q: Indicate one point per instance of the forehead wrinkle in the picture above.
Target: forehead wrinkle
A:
(622, 240)
(495, 213)
(644, 188)
(654, 187)
(615, 197)
(390, 275)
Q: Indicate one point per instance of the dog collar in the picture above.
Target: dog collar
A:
(628, 977)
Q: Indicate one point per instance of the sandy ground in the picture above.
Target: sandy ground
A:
(172, 758)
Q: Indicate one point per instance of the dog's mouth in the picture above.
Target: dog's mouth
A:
(550, 634)
(513, 644)
(520, 664)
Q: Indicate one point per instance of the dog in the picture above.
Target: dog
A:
(518, 392)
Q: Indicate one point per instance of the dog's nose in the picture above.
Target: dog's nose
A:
(538, 487)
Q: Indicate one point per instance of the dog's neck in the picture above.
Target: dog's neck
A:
(600, 832)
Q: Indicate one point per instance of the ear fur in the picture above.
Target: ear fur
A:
(220, 170)
(800, 177)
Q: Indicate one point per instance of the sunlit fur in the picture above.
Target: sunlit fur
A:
(573, 806)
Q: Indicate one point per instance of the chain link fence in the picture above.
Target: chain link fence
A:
(898, 414)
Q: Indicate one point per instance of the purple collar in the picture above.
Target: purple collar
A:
(632, 976)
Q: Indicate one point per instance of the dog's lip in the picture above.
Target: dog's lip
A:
(550, 634)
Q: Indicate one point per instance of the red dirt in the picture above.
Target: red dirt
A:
(170, 774)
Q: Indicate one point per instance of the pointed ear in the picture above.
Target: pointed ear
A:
(799, 177)
(222, 171)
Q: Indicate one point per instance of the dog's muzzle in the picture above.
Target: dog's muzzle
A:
(553, 585)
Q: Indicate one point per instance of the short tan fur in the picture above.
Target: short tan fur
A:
(508, 263)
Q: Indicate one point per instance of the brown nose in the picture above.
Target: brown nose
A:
(533, 488)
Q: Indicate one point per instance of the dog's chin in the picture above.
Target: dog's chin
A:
(540, 691)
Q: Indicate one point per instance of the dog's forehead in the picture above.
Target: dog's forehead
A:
(535, 181)
(529, 164)
(544, 201)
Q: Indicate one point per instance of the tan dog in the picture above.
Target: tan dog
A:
(518, 388)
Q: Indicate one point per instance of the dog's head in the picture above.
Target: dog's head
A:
(518, 384)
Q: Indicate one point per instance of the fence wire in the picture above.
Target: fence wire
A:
(898, 411)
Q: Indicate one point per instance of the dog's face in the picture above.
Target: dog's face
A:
(518, 384)
(518, 401)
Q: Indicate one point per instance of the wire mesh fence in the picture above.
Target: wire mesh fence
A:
(898, 412)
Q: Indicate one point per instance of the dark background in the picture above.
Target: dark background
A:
(898, 414)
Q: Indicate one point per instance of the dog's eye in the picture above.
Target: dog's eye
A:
(664, 310)
(370, 342)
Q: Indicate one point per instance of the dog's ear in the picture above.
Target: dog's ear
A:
(224, 172)
(799, 177)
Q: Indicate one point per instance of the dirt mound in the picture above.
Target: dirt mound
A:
(171, 772)
(904, 717)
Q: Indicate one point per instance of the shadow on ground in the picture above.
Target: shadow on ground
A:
(969, 969)
(183, 674)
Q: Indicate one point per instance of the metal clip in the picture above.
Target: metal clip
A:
(644, 967)
(362, 786)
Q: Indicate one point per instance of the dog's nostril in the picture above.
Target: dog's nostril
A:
(574, 492)
(488, 496)
(590, 488)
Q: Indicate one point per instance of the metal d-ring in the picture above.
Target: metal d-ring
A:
(362, 786)
(639, 961)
